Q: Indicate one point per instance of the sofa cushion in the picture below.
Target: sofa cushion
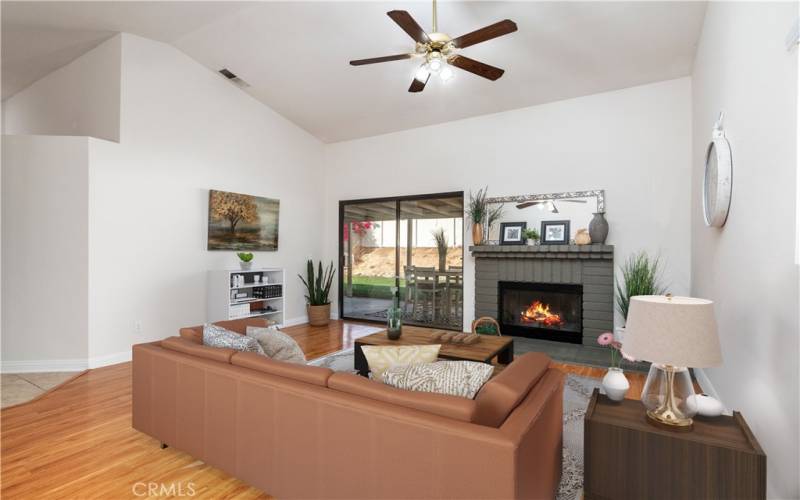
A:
(381, 358)
(456, 378)
(309, 374)
(277, 345)
(195, 333)
(190, 347)
(438, 404)
(217, 336)
(500, 395)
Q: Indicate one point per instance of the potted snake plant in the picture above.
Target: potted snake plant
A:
(318, 287)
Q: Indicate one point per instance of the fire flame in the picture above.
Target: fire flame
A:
(540, 313)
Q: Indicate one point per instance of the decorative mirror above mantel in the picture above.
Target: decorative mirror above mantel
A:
(579, 213)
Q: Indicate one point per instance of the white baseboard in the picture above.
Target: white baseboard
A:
(296, 321)
(64, 365)
(110, 359)
(44, 365)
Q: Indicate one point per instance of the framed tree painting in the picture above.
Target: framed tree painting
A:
(242, 222)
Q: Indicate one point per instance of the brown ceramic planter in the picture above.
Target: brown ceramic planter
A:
(319, 315)
(477, 234)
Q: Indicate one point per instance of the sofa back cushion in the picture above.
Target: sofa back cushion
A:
(500, 395)
(381, 358)
(186, 346)
(309, 374)
(195, 333)
(439, 404)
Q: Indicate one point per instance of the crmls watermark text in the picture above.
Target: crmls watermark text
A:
(153, 489)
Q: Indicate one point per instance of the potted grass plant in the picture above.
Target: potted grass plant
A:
(641, 275)
(318, 287)
(477, 212)
(440, 238)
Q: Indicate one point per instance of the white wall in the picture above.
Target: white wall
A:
(747, 267)
(184, 130)
(81, 98)
(634, 143)
(45, 263)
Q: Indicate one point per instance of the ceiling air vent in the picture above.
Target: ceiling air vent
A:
(233, 78)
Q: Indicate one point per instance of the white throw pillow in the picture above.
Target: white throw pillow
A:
(456, 378)
(277, 345)
(216, 336)
(381, 358)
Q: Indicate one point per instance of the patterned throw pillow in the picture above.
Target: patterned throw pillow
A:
(381, 358)
(277, 345)
(456, 378)
(216, 336)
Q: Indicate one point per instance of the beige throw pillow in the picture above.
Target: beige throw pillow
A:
(381, 358)
(277, 345)
(456, 378)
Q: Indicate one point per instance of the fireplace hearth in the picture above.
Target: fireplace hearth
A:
(548, 311)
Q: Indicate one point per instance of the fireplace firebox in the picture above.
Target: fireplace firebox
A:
(546, 311)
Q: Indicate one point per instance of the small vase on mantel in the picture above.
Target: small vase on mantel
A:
(477, 233)
(598, 228)
(615, 384)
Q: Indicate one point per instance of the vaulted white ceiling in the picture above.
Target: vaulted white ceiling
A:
(295, 55)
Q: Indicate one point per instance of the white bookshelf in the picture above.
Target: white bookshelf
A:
(259, 299)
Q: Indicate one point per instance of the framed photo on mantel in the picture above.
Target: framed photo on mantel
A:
(511, 233)
(555, 232)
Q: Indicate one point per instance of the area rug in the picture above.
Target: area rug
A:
(577, 391)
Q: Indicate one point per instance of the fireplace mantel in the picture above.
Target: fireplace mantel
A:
(591, 266)
(543, 251)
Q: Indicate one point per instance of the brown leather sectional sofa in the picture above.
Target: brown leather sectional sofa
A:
(306, 432)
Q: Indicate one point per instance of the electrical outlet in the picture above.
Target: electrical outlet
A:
(137, 326)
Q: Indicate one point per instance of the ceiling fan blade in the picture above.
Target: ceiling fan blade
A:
(409, 25)
(529, 204)
(418, 86)
(476, 67)
(495, 30)
(361, 62)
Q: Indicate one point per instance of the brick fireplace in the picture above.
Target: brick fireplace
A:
(561, 293)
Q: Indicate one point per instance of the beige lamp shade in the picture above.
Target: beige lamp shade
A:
(677, 331)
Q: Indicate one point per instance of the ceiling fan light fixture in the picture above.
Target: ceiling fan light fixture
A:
(446, 74)
(435, 62)
(422, 73)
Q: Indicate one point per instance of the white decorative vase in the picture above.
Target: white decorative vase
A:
(615, 384)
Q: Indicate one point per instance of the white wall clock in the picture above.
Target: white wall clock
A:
(718, 178)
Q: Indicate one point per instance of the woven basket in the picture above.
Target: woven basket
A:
(486, 320)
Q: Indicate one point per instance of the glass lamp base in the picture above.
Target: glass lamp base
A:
(666, 397)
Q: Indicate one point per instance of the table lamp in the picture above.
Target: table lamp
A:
(674, 334)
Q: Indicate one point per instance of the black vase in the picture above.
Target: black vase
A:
(598, 228)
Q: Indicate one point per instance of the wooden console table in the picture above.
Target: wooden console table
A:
(626, 457)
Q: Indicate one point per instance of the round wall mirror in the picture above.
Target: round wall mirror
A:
(717, 179)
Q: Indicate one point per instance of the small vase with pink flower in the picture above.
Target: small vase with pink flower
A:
(614, 384)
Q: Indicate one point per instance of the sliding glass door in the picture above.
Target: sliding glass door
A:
(405, 249)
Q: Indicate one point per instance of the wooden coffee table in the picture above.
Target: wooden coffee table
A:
(484, 351)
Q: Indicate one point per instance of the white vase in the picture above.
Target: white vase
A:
(615, 384)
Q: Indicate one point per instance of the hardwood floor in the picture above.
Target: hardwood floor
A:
(77, 441)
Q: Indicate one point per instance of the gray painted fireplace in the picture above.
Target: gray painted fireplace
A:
(591, 266)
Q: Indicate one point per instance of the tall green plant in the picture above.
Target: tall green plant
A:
(641, 275)
(318, 288)
(477, 206)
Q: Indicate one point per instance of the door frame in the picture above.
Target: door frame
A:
(398, 200)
